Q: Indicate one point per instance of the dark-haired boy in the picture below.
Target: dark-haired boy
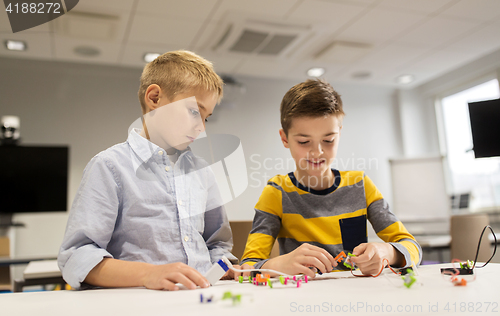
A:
(316, 212)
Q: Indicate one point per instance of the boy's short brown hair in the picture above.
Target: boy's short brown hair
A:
(311, 98)
(178, 72)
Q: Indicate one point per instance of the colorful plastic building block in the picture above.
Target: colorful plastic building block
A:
(235, 298)
(409, 278)
(458, 282)
(206, 299)
(340, 257)
(348, 263)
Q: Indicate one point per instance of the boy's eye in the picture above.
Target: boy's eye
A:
(194, 112)
(303, 143)
(329, 141)
(206, 120)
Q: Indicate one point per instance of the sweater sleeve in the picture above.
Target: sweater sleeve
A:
(265, 228)
(388, 227)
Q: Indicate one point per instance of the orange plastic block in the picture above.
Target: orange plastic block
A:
(340, 257)
(262, 278)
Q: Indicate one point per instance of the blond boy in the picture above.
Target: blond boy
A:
(147, 211)
(316, 212)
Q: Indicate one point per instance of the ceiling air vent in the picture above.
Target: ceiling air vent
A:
(87, 25)
(241, 35)
(249, 41)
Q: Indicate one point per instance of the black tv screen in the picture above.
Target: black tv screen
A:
(485, 125)
(33, 179)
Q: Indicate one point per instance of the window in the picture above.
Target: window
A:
(479, 177)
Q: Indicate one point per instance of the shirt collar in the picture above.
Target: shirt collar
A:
(144, 148)
(141, 146)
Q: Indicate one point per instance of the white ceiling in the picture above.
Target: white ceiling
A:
(424, 38)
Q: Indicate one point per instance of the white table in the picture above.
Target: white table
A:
(431, 295)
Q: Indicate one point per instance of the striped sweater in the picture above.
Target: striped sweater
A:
(333, 219)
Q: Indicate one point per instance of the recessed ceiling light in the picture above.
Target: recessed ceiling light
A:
(149, 57)
(405, 79)
(87, 51)
(15, 45)
(316, 72)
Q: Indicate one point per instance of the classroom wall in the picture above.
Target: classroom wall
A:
(417, 105)
(90, 107)
(86, 107)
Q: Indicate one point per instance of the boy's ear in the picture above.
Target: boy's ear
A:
(284, 138)
(152, 97)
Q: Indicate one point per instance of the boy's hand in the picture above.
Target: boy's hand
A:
(230, 274)
(164, 277)
(243, 267)
(299, 261)
(369, 257)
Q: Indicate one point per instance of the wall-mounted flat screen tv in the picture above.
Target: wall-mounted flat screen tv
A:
(33, 179)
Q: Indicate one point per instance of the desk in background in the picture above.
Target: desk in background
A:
(347, 295)
(7, 261)
(440, 243)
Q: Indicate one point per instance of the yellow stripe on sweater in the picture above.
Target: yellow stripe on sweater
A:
(324, 230)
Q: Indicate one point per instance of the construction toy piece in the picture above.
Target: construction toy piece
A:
(261, 279)
(409, 278)
(348, 263)
(467, 265)
(216, 271)
(458, 282)
(235, 298)
(299, 282)
(306, 279)
(206, 299)
(240, 279)
(340, 257)
(270, 283)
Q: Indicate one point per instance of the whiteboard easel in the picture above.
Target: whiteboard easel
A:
(419, 189)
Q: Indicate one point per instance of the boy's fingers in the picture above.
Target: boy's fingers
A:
(312, 261)
(366, 256)
(331, 262)
(305, 270)
(167, 285)
(359, 249)
(324, 260)
(194, 277)
(373, 268)
(184, 280)
(322, 255)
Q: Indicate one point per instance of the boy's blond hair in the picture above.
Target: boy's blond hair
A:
(179, 72)
(311, 98)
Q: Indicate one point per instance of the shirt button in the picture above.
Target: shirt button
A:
(180, 202)
(186, 238)
(167, 168)
(160, 153)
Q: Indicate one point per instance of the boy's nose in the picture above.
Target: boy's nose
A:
(316, 150)
(200, 127)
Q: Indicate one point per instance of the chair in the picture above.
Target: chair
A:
(4, 270)
(465, 231)
(240, 230)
